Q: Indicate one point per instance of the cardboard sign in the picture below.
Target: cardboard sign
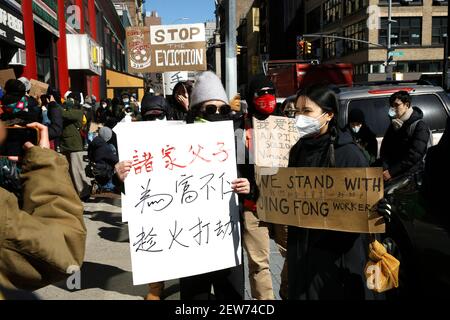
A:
(274, 138)
(183, 217)
(138, 46)
(166, 48)
(5, 75)
(156, 82)
(38, 88)
(178, 47)
(341, 199)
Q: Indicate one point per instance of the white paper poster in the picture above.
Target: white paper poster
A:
(183, 217)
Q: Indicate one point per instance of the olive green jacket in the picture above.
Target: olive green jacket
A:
(71, 140)
(43, 241)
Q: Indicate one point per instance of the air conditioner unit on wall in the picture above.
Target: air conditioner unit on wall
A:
(19, 59)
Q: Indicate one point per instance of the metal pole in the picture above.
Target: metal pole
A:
(445, 69)
(388, 66)
(230, 50)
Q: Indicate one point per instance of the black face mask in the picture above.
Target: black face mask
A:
(216, 117)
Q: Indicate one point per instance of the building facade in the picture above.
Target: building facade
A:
(417, 35)
(69, 44)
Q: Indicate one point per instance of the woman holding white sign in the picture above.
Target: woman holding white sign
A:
(325, 264)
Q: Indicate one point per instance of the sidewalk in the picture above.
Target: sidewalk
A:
(106, 272)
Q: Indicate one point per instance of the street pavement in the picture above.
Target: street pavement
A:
(106, 271)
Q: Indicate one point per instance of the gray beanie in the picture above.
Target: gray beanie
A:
(208, 87)
(26, 82)
(105, 133)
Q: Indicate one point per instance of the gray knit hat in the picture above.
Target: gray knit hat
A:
(208, 87)
(26, 82)
(105, 133)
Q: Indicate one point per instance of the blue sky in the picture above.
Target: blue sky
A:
(171, 10)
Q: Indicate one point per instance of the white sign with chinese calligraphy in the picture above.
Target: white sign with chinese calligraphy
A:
(172, 78)
(274, 138)
(183, 217)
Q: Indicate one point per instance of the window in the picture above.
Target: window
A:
(332, 11)
(402, 2)
(433, 111)
(330, 47)
(439, 29)
(352, 6)
(405, 32)
(376, 113)
(356, 31)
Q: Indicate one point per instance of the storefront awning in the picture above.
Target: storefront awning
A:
(11, 26)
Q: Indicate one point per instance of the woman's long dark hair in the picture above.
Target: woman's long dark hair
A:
(327, 100)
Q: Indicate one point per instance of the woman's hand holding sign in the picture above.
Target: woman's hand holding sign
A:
(241, 186)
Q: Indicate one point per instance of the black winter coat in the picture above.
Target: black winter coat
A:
(401, 153)
(325, 264)
(100, 151)
(367, 140)
(55, 128)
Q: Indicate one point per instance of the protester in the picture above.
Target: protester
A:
(288, 107)
(72, 143)
(55, 111)
(261, 103)
(104, 111)
(208, 94)
(406, 141)
(15, 105)
(44, 238)
(153, 108)
(33, 104)
(324, 264)
(103, 157)
(362, 135)
(180, 99)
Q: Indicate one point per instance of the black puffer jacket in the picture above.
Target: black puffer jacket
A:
(401, 153)
(327, 264)
(55, 128)
(100, 151)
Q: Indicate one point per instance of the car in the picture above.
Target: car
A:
(373, 100)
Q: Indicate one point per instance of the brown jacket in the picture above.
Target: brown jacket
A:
(39, 242)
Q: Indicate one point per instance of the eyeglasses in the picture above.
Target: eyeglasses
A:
(262, 92)
(212, 109)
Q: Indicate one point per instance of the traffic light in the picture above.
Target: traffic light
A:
(308, 47)
(301, 47)
(238, 50)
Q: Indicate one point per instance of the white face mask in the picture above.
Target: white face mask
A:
(308, 126)
(356, 129)
(126, 100)
(163, 119)
(392, 112)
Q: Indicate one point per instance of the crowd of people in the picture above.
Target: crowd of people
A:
(42, 232)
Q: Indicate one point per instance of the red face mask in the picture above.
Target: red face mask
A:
(265, 104)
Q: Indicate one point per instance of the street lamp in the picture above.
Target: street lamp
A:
(183, 19)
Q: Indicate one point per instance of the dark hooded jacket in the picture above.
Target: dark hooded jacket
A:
(100, 151)
(55, 115)
(245, 123)
(326, 264)
(402, 153)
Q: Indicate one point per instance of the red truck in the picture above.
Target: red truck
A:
(291, 75)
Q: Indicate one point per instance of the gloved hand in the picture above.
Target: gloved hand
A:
(384, 208)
